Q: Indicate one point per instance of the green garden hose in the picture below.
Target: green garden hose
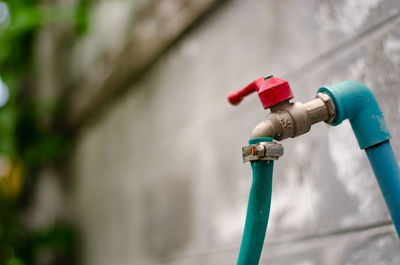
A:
(257, 209)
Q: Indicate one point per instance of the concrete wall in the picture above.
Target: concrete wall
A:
(158, 177)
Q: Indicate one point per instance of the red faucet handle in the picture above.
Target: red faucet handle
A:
(271, 91)
(236, 96)
(274, 91)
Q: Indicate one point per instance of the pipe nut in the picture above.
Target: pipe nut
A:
(329, 105)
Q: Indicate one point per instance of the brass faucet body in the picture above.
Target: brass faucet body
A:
(293, 119)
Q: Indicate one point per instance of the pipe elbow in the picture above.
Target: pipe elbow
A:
(356, 102)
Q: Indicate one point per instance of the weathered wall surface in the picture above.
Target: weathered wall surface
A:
(158, 177)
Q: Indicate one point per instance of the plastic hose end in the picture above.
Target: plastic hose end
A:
(260, 140)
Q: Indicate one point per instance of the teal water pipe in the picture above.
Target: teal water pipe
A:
(387, 173)
(355, 101)
(257, 209)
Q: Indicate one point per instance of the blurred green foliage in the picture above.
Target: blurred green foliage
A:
(24, 138)
(21, 245)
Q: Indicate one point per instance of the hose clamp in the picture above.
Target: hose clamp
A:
(262, 151)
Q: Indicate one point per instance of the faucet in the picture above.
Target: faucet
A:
(333, 104)
(286, 119)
